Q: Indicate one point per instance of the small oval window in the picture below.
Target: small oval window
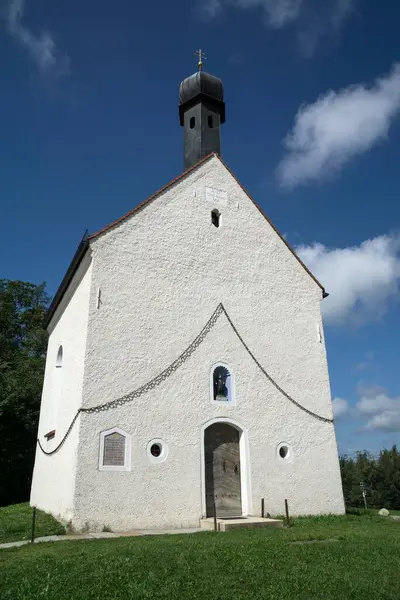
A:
(284, 452)
(192, 122)
(155, 450)
(210, 122)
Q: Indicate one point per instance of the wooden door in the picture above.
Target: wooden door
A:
(222, 470)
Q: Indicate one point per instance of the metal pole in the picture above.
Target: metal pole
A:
(262, 508)
(364, 493)
(287, 513)
(33, 524)
(215, 517)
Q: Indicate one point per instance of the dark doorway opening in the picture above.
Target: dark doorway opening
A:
(222, 470)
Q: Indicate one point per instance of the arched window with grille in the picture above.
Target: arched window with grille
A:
(222, 384)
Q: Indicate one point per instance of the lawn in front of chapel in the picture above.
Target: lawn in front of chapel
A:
(350, 557)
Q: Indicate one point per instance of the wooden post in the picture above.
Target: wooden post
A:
(287, 513)
(215, 517)
(262, 508)
(33, 524)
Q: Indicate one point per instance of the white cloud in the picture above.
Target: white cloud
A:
(278, 12)
(382, 411)
(343, 8)
(317, 23)
(312, 17)
(42, 48)
(389, 420)
(365, 364)
(380, 403)
(337, 127)
(212, 8)
(339, 407)
(361, 280)
(377, 410)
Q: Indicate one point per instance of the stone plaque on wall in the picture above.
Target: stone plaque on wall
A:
(216, 197)
(114, 450)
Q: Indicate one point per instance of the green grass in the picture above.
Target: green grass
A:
(241, 565)
(16, 523)
(369, 511)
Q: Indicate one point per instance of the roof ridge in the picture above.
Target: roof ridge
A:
(324, 293)
(179, 178)
(153, 196)
(84, 245)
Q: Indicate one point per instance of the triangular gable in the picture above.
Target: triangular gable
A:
(182, 176)
(85, 243)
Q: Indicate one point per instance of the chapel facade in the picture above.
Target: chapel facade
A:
(186, 363)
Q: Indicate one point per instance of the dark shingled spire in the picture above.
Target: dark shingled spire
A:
(201, 113)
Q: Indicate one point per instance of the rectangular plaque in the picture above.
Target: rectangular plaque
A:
(216, 197)
(114, 450)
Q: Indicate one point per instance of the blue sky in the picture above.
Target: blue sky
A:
(89, 128)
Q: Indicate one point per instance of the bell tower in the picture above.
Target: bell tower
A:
(201, 114)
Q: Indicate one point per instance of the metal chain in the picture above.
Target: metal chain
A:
(147, 386)
(150, 385)
(64, 438)
(171, 369)
(309, 412)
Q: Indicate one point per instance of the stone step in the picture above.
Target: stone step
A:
(240, 523)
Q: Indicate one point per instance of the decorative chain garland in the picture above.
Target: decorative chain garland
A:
(64, 438)
(150, 385)
(278, 387)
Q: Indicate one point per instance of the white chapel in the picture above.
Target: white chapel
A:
(186, 365)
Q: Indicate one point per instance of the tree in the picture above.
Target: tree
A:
(380, 474)
(23, 342)
(388, 477)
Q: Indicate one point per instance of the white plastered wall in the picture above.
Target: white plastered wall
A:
(53, 483)
(162, 273)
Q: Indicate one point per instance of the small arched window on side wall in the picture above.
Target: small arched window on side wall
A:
(215, 217)
(59, 359)
(192, 122)
(222, 384)
(210, 121)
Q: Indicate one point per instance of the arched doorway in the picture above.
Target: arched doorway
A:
(222, 470)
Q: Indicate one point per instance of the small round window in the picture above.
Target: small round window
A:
(157, 451)
(284, 452)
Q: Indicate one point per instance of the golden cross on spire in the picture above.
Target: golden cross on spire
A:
(201, 55)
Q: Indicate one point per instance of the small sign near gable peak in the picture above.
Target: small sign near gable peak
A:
(217, 197)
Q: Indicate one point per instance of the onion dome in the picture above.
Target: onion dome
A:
(201, 87)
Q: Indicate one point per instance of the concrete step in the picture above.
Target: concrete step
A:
(241, 523)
